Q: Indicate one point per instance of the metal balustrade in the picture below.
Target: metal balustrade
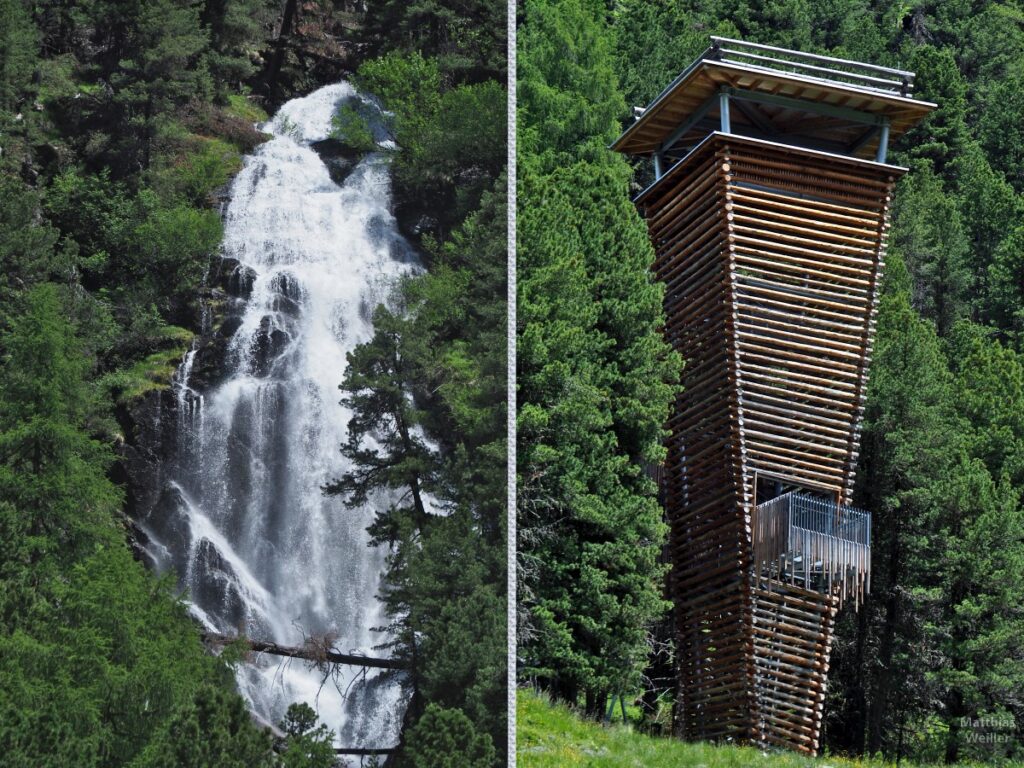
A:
(815, 543)
(828, 69)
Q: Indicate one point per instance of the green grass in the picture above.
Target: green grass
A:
(241, 107)
(552, 736)
(152, 372)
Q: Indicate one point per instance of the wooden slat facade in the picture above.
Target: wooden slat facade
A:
(771, 256)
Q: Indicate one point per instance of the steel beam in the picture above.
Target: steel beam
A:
(763, 124)
(863, 139)
(883, 142)
(841, 113)
(687, 126)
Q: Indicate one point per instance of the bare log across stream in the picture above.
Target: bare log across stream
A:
(312, 652)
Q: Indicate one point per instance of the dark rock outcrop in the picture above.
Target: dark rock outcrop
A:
(339, 157)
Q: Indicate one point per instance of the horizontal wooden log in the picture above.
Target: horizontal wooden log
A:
(307, 653)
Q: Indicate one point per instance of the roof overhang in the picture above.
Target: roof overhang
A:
(840, 110)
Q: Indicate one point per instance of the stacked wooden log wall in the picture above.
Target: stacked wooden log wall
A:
(771, 257)
(792, 637)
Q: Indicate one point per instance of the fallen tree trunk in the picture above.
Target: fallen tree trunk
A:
(316, 655)
(364, 752)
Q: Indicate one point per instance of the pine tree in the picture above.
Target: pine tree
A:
(235, 28)
(929, 236)
(152, 55)
(214, 729)
(50, 468)
(378, 385)
(595, 376)
(96, 655)
(28, 250)
(568, 100)
(19, 40)
(907, 446)
(445, 738)
(429, 389)
(307, 745)
(595, 380)
(467, 38)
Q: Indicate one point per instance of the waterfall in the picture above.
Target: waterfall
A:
(242, 519)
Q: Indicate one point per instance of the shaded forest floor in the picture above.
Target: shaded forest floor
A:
(550, 735)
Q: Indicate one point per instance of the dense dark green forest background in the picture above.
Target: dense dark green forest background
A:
(941, 638)
(120, 124)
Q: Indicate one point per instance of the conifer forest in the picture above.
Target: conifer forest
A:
(930, 669)
(252, 383)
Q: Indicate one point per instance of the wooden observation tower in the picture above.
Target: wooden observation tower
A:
(768, 215)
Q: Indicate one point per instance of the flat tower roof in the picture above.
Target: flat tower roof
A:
(823, 103)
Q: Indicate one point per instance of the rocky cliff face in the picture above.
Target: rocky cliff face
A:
(149, 422)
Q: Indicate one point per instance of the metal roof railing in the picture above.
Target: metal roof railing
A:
(828, 69)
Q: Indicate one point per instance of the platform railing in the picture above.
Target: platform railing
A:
(813, 542)
(896, 82)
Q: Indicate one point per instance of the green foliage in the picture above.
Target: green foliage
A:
(94, 212)
(408, 83)
(451, 140)
(986, 202)
(941, 136)
(568, 98)
(1006, 283)
(378, 385)
(445, 738)
(18, 41)
(208, 166)
(213, 729)
(44, 412)
(351, 126)
(153, 59)
(308, 745)
(467, 38)
(930, 237)
(146, 249)
(173, 244)
(244, 108)
(670, 36)
(95, 654)
(1000, 129)
(234, 27)
(595, 379)
(28, 252)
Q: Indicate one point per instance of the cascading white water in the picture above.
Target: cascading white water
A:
(258, 546)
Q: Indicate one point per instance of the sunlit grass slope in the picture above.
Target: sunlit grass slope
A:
(551, 736)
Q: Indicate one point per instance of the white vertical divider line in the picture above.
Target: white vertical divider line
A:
(511, 384)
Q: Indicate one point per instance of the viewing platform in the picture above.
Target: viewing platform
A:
(816, 102)
(813, 543)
